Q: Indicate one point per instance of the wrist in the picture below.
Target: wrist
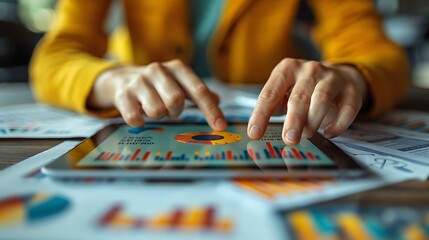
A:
(99, 97)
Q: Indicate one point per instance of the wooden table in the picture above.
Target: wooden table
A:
(16, 150)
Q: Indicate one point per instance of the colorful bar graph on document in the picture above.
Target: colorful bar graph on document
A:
(189, 219)
(348, 221)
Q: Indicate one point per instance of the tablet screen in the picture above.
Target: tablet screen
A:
(198, 146)
(169, 150)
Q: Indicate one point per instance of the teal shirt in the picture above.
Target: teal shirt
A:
(205, 16)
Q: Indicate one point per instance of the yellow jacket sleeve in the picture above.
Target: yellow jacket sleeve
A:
(350, 32)
(69, 58)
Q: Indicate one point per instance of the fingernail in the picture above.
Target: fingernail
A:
(220, 123)
(255, 131)
(292, 135)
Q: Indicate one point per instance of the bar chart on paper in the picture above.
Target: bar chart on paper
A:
(271, 189)
(407, 120)
(353, 222)
(297, 192)
(205, 218)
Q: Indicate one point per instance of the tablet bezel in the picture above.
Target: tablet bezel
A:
(62, 167)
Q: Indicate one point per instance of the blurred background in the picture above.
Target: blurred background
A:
(23, 23)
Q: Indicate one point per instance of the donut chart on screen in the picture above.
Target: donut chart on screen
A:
(209, 138)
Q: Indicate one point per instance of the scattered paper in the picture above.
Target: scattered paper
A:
(287, 194)
(383, 160)
(41, 121)
(112, 209)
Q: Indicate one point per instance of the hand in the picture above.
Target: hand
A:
(156, 90)
(314, 95)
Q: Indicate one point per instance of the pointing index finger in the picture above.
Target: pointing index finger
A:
(198, 91)
(271, 95)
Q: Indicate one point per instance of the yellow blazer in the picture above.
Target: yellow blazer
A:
(251, 38)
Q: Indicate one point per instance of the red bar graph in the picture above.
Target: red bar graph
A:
(105, 156)
(271, 149)
(145, 156)
(136, 153)
(168, 155)
(229, 155)
(252, 154)
(116, 156)
(311, 156)
(296, 154)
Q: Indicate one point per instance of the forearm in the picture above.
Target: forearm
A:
(69, 58)
(65, 79)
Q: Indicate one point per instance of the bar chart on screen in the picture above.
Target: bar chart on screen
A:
(138, 155)
(262, 152)
(200, 218)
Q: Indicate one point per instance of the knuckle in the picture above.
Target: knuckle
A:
(268, 95)
(176, 62)
(338, 128)
(212, 107)
(285, 64)
(131, 118)
(288, 62)
(322, 97)
(331, 78)
(201, 90)
(154, 67)
(316, 67)
(156, 111)
(121, 94)
(314, 64)
(175, 99)
(299, 97)
(135, 82)
(351, 108)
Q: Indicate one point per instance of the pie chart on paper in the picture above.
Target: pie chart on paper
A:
(30, 208)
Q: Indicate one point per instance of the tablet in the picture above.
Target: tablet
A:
(177, 151)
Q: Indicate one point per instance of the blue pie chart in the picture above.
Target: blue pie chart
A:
(31, 208)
